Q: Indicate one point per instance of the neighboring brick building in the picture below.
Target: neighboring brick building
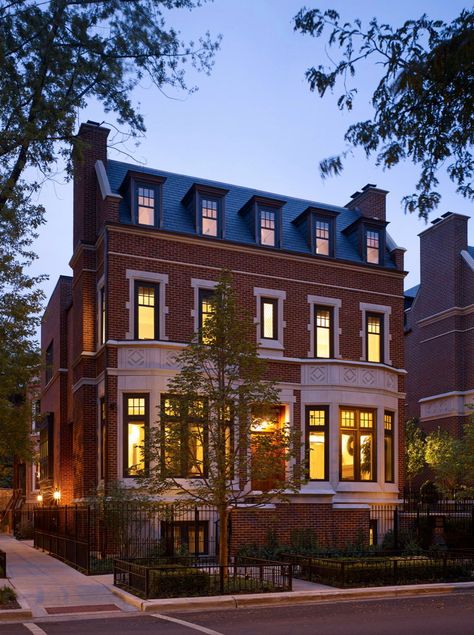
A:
(324, 283)
(439, 332)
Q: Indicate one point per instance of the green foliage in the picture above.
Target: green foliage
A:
(7, 595)
(422, 98)
(414, 449)
(178, 582)
(221, 398)
(54, 57)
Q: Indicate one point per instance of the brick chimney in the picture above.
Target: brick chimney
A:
(370, 202)
(93, 148)
(441, 262)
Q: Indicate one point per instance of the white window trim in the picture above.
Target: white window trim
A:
(386, 311)
(198, 284)
(132, 276)
(274, 294)
(100, 286)
(335, 304)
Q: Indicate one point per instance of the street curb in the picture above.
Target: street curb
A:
(298, 597)
(24, 612)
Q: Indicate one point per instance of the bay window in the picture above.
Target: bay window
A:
(357, 444)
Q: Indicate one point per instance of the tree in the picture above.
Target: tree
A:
(54, 57)
(220, 426)
(414, 450)
(423, 101)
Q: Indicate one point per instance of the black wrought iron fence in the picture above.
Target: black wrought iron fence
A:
(90, 537)
(3, 564)
(185, 577)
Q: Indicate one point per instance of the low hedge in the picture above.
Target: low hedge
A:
(178, 581)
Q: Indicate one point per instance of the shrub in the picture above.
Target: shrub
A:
(175, 581)
(7, 595)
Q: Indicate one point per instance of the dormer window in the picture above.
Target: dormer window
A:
(323, 237)
(206, 204)
(372, 246)
(267, 226)
(209, 216)
(145, 205)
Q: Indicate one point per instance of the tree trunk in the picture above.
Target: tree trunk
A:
(223, 536)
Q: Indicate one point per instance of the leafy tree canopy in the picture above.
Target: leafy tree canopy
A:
(423, 101)
(54, 57)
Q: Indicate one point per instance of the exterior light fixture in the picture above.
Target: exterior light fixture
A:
(39, 498)
(57, 495)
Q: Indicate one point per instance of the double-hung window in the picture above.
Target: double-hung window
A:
(323, 237)
(135, 426)
(184, 437)
(374, 337)
(357, 444)
(146, 311)
(267, 226)
(269, 318)
(146, 204)
(324, 331)
(317, 418)
(206, 309)
(209, 216)
(388, 423)
(372, 246)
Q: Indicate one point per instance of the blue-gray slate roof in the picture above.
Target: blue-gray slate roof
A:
(177, 218)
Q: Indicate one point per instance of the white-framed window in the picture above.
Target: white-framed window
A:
(201, 290)
(269, 317)
(158, 281)
(319, 322)
(371, 314)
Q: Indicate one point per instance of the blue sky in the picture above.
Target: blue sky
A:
(254, 122)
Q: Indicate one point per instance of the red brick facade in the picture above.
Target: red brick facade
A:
(111, 255)
(439, 338)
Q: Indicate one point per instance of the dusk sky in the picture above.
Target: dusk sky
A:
(254, 121)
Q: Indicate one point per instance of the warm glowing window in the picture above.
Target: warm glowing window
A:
(317, 444)
(206, 309)
(267, 227)
(135, 420)
(146, 311)
(209, 216)
(184, 437)
(357, 444)
(269, 318)
(388, 447)
(374, 337)
(324, 331)
(372, 244)
(190, 536)
(146, 205)
(323, 237)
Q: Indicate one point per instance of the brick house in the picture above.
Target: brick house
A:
(439, 339)
(325, 285)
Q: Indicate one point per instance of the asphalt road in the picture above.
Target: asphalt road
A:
(433, 615)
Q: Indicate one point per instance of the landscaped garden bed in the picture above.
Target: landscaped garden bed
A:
(187, 577)
(379, 570)
(8, 599)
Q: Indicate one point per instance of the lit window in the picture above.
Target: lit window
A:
(269, 319)
(206, 309)
(316, 422)
(209, 216)
(374, 337)
(135, 423)
(190, 536)
(267, 227)
(357, 447)
(146, 206)
(323, 237)
(388, 447)
(146, 311)
(184, 437)
(372, 238)
(324, 332)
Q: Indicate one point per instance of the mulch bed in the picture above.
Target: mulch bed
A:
(9, 606)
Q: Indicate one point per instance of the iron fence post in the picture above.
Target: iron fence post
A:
(395, 570)
(343, 574)
(395, 528)
(88, 539)
(196, 531)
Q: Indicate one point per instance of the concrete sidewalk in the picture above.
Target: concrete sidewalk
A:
(49, 586)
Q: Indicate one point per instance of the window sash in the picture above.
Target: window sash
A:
(269, 318)
(206, 309)
(323, 237)
(389, 455)
(374, 333)
(372, 246)
(136, 420)
(324, 332)
(357, 445)
(267, 227)
(147, 298)
(317, 446)
(209, 216)
(146, 204)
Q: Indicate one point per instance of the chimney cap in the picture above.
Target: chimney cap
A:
(369, 186)
(92, 123)
(436, 220)
(446, 214)
(356, 194)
